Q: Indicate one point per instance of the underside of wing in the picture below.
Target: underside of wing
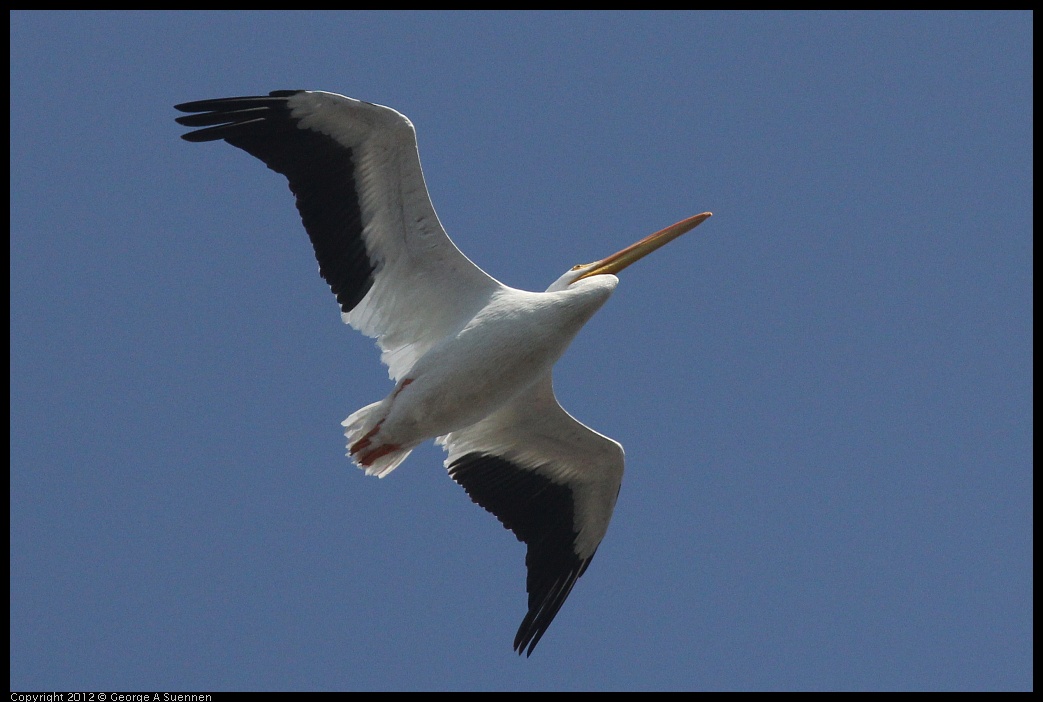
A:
(550, 480)
(355, 171)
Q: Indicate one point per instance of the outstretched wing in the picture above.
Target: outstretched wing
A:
(355, 171)
(548, 478)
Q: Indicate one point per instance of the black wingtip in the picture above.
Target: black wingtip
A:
(219, 103)
(232, 116)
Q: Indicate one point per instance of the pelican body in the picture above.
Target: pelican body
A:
(516, 338)
(471, 358)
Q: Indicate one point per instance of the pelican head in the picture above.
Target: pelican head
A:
(636, 251)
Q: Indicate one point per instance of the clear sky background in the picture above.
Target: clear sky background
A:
(825, 391)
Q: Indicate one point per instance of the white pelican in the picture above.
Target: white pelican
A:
(471, 358)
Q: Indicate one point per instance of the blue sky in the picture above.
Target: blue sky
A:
(824, 392)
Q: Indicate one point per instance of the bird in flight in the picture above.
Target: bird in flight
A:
(471, 358)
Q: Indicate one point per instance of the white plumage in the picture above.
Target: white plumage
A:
(471, 358)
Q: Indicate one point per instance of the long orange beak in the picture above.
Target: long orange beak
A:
(621, 259)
